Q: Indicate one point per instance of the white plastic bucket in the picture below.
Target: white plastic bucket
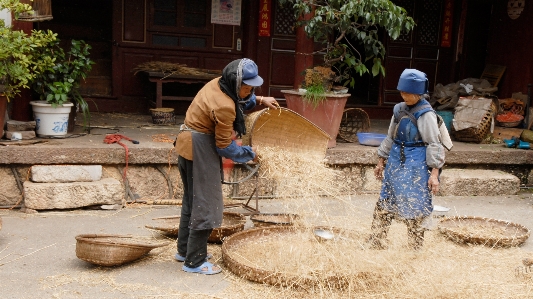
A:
(50, 121)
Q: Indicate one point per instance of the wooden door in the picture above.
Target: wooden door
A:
(419, 49)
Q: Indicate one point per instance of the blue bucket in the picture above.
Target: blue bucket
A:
(447, 116)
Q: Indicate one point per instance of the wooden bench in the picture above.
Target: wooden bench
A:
(161, 78)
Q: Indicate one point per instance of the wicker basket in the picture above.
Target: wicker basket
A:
(354, 120)
(163, 116)
(461, 229)
(478, 134)
(231, 223)
(273, 219)
(284, 128)
(286, 279)
(113, 250)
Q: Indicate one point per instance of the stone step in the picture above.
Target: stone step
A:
(462, 182)
(46, 196)
(65, 173)
(477, 182)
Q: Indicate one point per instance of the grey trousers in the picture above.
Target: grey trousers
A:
(192, 244)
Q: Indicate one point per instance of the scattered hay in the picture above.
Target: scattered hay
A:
(174, 68)
(168, 138)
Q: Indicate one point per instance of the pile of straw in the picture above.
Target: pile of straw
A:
(173, 68)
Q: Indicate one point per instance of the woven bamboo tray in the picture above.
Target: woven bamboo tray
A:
(287, 279)
(231, 223)
(273, 219)
(483, 231)
(286, 129)
(113, 250)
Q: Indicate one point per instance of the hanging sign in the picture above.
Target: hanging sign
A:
(447, 22)
(264, 18)
(226, 12)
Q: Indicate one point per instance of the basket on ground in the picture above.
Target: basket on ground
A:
(113, 250)
(231, 223)
(483, 231)
(163, 116)
(286, 129)
(268, 273)
(273, 219)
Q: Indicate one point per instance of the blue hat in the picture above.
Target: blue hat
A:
(413, 81)
(250, 74)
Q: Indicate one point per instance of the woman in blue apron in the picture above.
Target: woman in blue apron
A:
(414, 155)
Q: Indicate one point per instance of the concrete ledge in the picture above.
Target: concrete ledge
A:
(477, 182)
(45, 196)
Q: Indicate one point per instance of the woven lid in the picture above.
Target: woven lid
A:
(286, 129)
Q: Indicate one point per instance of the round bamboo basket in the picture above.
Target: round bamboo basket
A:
(273, 219)
(286, 129)
(163, 116)
(354, 120)
(231, 223)
(483, 231)
(113, 250)
(287, 279)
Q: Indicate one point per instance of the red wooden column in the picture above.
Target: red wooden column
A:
(304, 53)
(21, 103)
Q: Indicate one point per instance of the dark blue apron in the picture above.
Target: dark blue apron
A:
(405, 190)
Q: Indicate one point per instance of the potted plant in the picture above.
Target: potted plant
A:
(348, 29)
(19, 64)
(316, 101)
(58, 86)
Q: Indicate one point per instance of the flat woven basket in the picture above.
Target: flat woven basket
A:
(286, 129)
(483, 231)
(113, 250)
(273, 219)
(354, 120)
(478, 134)
(250, 271)
(231, 223)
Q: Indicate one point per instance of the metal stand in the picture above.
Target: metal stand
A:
(254, 173)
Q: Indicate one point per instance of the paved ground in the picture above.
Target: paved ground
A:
(38, 260)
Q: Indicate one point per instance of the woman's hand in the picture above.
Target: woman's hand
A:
(254, 149)
(433, 182)
(378, 171)
(270, 102)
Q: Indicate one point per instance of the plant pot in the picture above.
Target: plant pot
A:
(327, 115)
(51, 121)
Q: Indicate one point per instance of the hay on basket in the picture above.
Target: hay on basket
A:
(483, 231)
(113, 250)
(251, 254)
